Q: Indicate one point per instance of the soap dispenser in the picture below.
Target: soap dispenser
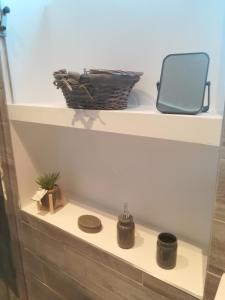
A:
(125, 229)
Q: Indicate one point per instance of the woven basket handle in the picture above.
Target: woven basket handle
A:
(70, 79)
(83, 86)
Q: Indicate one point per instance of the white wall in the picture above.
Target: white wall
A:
(46, 35)
(168, 184)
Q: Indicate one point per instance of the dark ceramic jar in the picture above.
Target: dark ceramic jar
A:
(166, 255)
(125, 230)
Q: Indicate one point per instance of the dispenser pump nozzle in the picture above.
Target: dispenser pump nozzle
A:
(126, 213)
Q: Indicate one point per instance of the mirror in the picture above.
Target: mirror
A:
(183, 80)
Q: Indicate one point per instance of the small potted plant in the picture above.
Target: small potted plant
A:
(53, 197)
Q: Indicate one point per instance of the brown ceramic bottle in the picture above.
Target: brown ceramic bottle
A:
(125, 230)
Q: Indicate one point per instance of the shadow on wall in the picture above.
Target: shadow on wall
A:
(86, 117)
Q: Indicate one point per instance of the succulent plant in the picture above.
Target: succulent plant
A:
(48, 180)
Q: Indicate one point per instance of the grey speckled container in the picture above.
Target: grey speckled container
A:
(125, 232)
(125, 229)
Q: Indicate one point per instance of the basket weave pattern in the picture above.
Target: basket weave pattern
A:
(97, 89)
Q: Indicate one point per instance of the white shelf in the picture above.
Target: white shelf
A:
(143, 121)
(188, 275)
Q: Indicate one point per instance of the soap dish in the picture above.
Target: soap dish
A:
(89, 224)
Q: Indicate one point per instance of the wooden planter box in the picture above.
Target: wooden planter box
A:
(52, 200)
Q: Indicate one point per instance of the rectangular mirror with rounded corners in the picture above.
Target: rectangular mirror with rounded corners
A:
(182, 85)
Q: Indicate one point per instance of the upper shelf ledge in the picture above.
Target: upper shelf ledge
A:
(142, 121)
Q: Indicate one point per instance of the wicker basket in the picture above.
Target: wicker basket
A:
(96, 89)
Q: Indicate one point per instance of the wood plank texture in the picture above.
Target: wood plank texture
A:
(83, 267)
(164, 289)
(216, 262)
(211, 285)
(40, 291)
(56, 279)
(8, 176)
(220, 195)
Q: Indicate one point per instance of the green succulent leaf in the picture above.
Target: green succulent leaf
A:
(48, 180)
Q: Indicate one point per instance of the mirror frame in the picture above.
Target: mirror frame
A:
(207, 83)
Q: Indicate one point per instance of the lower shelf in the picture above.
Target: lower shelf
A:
(189, 274)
